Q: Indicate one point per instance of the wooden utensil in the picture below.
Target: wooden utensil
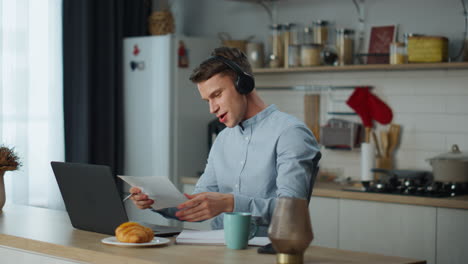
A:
(312, 113)
(367, 134)
(376, 141)
(384, 140)
(394, 137)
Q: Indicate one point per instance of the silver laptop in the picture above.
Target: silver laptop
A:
(92, 199)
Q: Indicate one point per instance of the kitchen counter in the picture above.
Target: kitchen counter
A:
(49, 232)
(334, 190)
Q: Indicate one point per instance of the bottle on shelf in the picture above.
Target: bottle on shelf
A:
(276, 46)
(398, 53)
(345, 46)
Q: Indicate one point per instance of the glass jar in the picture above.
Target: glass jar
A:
(276, 46)
(255, 55)
(310, 54)
(329, 56)
(294, 55)
(345, 46)
(295, 34)
(308, 36)
(398, 53)
(320, 29)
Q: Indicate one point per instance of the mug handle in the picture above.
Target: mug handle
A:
(253, 231)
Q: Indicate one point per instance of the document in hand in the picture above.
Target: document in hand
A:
(160, 189)
(213, 237)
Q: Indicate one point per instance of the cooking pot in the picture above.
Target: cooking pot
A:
(450, 167)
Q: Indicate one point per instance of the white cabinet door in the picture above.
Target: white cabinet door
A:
(205, 225)
(324, 218)
(452, 236)
(389, 229)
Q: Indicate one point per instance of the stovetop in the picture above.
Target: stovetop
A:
(413, 188)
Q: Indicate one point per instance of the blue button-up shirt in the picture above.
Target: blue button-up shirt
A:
(267, 156)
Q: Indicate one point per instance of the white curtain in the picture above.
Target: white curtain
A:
(31, 112)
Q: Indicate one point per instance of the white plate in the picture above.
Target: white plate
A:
(155, 242)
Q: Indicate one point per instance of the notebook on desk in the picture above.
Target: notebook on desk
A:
(92, 199)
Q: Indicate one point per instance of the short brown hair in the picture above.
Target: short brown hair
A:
(211, 67)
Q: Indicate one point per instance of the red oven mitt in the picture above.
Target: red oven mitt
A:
(369, 107)
(358, 101)
(380, 111)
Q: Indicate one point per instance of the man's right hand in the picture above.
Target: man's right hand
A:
(141, 200)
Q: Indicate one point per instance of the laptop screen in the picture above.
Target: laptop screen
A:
(91, 196)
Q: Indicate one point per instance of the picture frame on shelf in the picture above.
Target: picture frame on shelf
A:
(379, 43)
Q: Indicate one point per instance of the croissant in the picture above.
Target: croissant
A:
(131, 232)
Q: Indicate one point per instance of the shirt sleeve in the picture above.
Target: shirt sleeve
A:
(295, 150)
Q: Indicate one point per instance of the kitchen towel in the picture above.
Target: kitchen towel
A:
(367, 161)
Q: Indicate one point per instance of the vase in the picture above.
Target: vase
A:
(290, 230)
(2, 190)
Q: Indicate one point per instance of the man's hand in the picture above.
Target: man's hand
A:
(204, 206)
(139, 199)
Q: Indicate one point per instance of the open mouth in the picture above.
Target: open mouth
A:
(222, 118)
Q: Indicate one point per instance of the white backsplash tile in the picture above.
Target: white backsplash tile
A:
(457, 104)
(430, 105)
(460, 139)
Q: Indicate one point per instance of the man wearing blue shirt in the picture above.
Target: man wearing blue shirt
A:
(262, 153)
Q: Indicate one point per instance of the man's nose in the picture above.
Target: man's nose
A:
(213, 107)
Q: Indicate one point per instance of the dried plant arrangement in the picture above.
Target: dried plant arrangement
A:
(9, 160)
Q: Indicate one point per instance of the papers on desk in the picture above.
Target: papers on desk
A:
(160, 189)
(213, 237)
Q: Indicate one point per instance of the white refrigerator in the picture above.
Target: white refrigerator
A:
(165, 119)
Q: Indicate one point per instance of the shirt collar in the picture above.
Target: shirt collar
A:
(258, 117)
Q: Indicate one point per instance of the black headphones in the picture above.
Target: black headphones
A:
(245, 82)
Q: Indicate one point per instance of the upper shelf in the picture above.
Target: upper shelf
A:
(368, 67)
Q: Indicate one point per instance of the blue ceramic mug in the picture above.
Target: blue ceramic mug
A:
(238, 229)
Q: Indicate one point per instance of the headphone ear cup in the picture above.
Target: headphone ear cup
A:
(245, 84)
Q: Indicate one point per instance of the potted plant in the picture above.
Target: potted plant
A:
(9, 161)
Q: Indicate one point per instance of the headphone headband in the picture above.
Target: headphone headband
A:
(245, 82)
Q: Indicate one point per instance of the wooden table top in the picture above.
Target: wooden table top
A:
(50, 232)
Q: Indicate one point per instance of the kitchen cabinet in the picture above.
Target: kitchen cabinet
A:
(452, 235)
(386, 228)
(324, 215)
(436, 234)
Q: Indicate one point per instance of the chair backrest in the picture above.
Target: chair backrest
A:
(314, 173)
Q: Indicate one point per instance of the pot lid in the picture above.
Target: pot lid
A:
(455, 154)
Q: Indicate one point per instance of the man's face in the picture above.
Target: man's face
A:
(225, 102)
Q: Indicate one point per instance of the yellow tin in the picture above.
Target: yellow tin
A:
(427, 49)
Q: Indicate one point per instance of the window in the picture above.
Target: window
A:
(31, 112)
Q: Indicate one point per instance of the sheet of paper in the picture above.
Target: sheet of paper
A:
(160, 189)
(213, 237)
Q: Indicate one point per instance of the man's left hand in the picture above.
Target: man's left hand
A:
(203, 206)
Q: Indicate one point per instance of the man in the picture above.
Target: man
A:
(262, 153)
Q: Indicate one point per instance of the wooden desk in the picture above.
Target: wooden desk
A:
(49, 232)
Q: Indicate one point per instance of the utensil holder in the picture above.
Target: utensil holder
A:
(382, 163)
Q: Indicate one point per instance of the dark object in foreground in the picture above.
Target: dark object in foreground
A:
(267, 249)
